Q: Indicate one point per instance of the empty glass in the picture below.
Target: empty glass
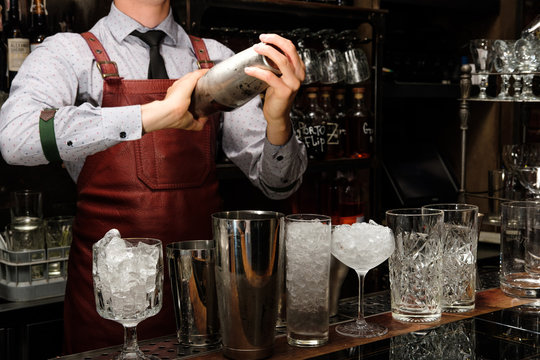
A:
(480, 51)
(331, 60)
(516, 157)
(356, 62)
(530, 179)
(519, 226)
(308, 55)
(460, 242)
(525, 51)
(415, 265)
(504, 63)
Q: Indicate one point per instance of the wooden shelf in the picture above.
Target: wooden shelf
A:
(279, 13)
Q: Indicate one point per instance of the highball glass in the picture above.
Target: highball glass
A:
(415, 265)
(460, 243)
(308, 240)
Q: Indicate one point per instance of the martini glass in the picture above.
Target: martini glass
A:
(362, 246)
(128, 285)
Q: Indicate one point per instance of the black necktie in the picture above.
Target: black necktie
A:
(153, 38)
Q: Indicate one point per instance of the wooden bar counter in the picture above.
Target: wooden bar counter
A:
(500, 327)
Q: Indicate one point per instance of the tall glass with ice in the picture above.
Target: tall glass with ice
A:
(128, 284)
(460, 243)
(308, 240)
(415, 265)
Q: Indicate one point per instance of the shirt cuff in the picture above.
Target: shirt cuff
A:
(122, 123)
(277, 162)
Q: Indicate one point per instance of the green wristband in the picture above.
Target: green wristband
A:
(47, 137)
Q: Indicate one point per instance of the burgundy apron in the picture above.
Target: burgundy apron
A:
(162, 186)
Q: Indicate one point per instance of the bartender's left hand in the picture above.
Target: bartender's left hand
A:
(280, 94)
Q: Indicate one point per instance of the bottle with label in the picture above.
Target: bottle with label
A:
(359, 127)
(314, 131)
(38, 29)
(340, 106)
(18, 44)
(332, 126)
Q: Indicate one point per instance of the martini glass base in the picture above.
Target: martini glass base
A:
(364, 330)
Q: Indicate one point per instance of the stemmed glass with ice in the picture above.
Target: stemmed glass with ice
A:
(128, 284)
(362, 246)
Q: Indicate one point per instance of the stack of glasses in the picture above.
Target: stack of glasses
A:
(33, 250)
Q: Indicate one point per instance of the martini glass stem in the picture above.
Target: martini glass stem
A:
(361, 321)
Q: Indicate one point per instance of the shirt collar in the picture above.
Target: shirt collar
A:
(121, 25)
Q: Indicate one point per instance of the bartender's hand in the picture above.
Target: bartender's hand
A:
(280, 94)
(172, 112)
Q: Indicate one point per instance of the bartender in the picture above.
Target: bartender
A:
(142, 163)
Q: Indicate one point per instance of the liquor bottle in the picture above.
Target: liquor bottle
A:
(314, 132)
(3, 52)
(18, 44)
(359, 127)
(340, 114)
(332, 126)
(38, 29)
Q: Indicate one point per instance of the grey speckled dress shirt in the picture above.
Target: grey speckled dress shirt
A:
(62, 73)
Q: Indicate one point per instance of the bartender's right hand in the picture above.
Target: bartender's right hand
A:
(172, 112)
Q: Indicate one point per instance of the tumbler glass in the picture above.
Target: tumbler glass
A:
(518, 231)
(415, 265)
(460, 243)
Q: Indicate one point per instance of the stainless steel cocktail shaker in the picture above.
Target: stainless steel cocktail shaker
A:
(226, 86)
(249, 269)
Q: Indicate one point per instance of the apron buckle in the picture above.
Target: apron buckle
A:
(205, 64)
(103, 68)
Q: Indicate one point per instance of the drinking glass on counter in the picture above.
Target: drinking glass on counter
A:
(193, 285)
(128, 284)
(27, 206)
(25, 231)
(362, 246)
(308, 240)
(532, 246)
(25, 236)
(459, 246)
(58, 234)
(519, 231)
(416, 264)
